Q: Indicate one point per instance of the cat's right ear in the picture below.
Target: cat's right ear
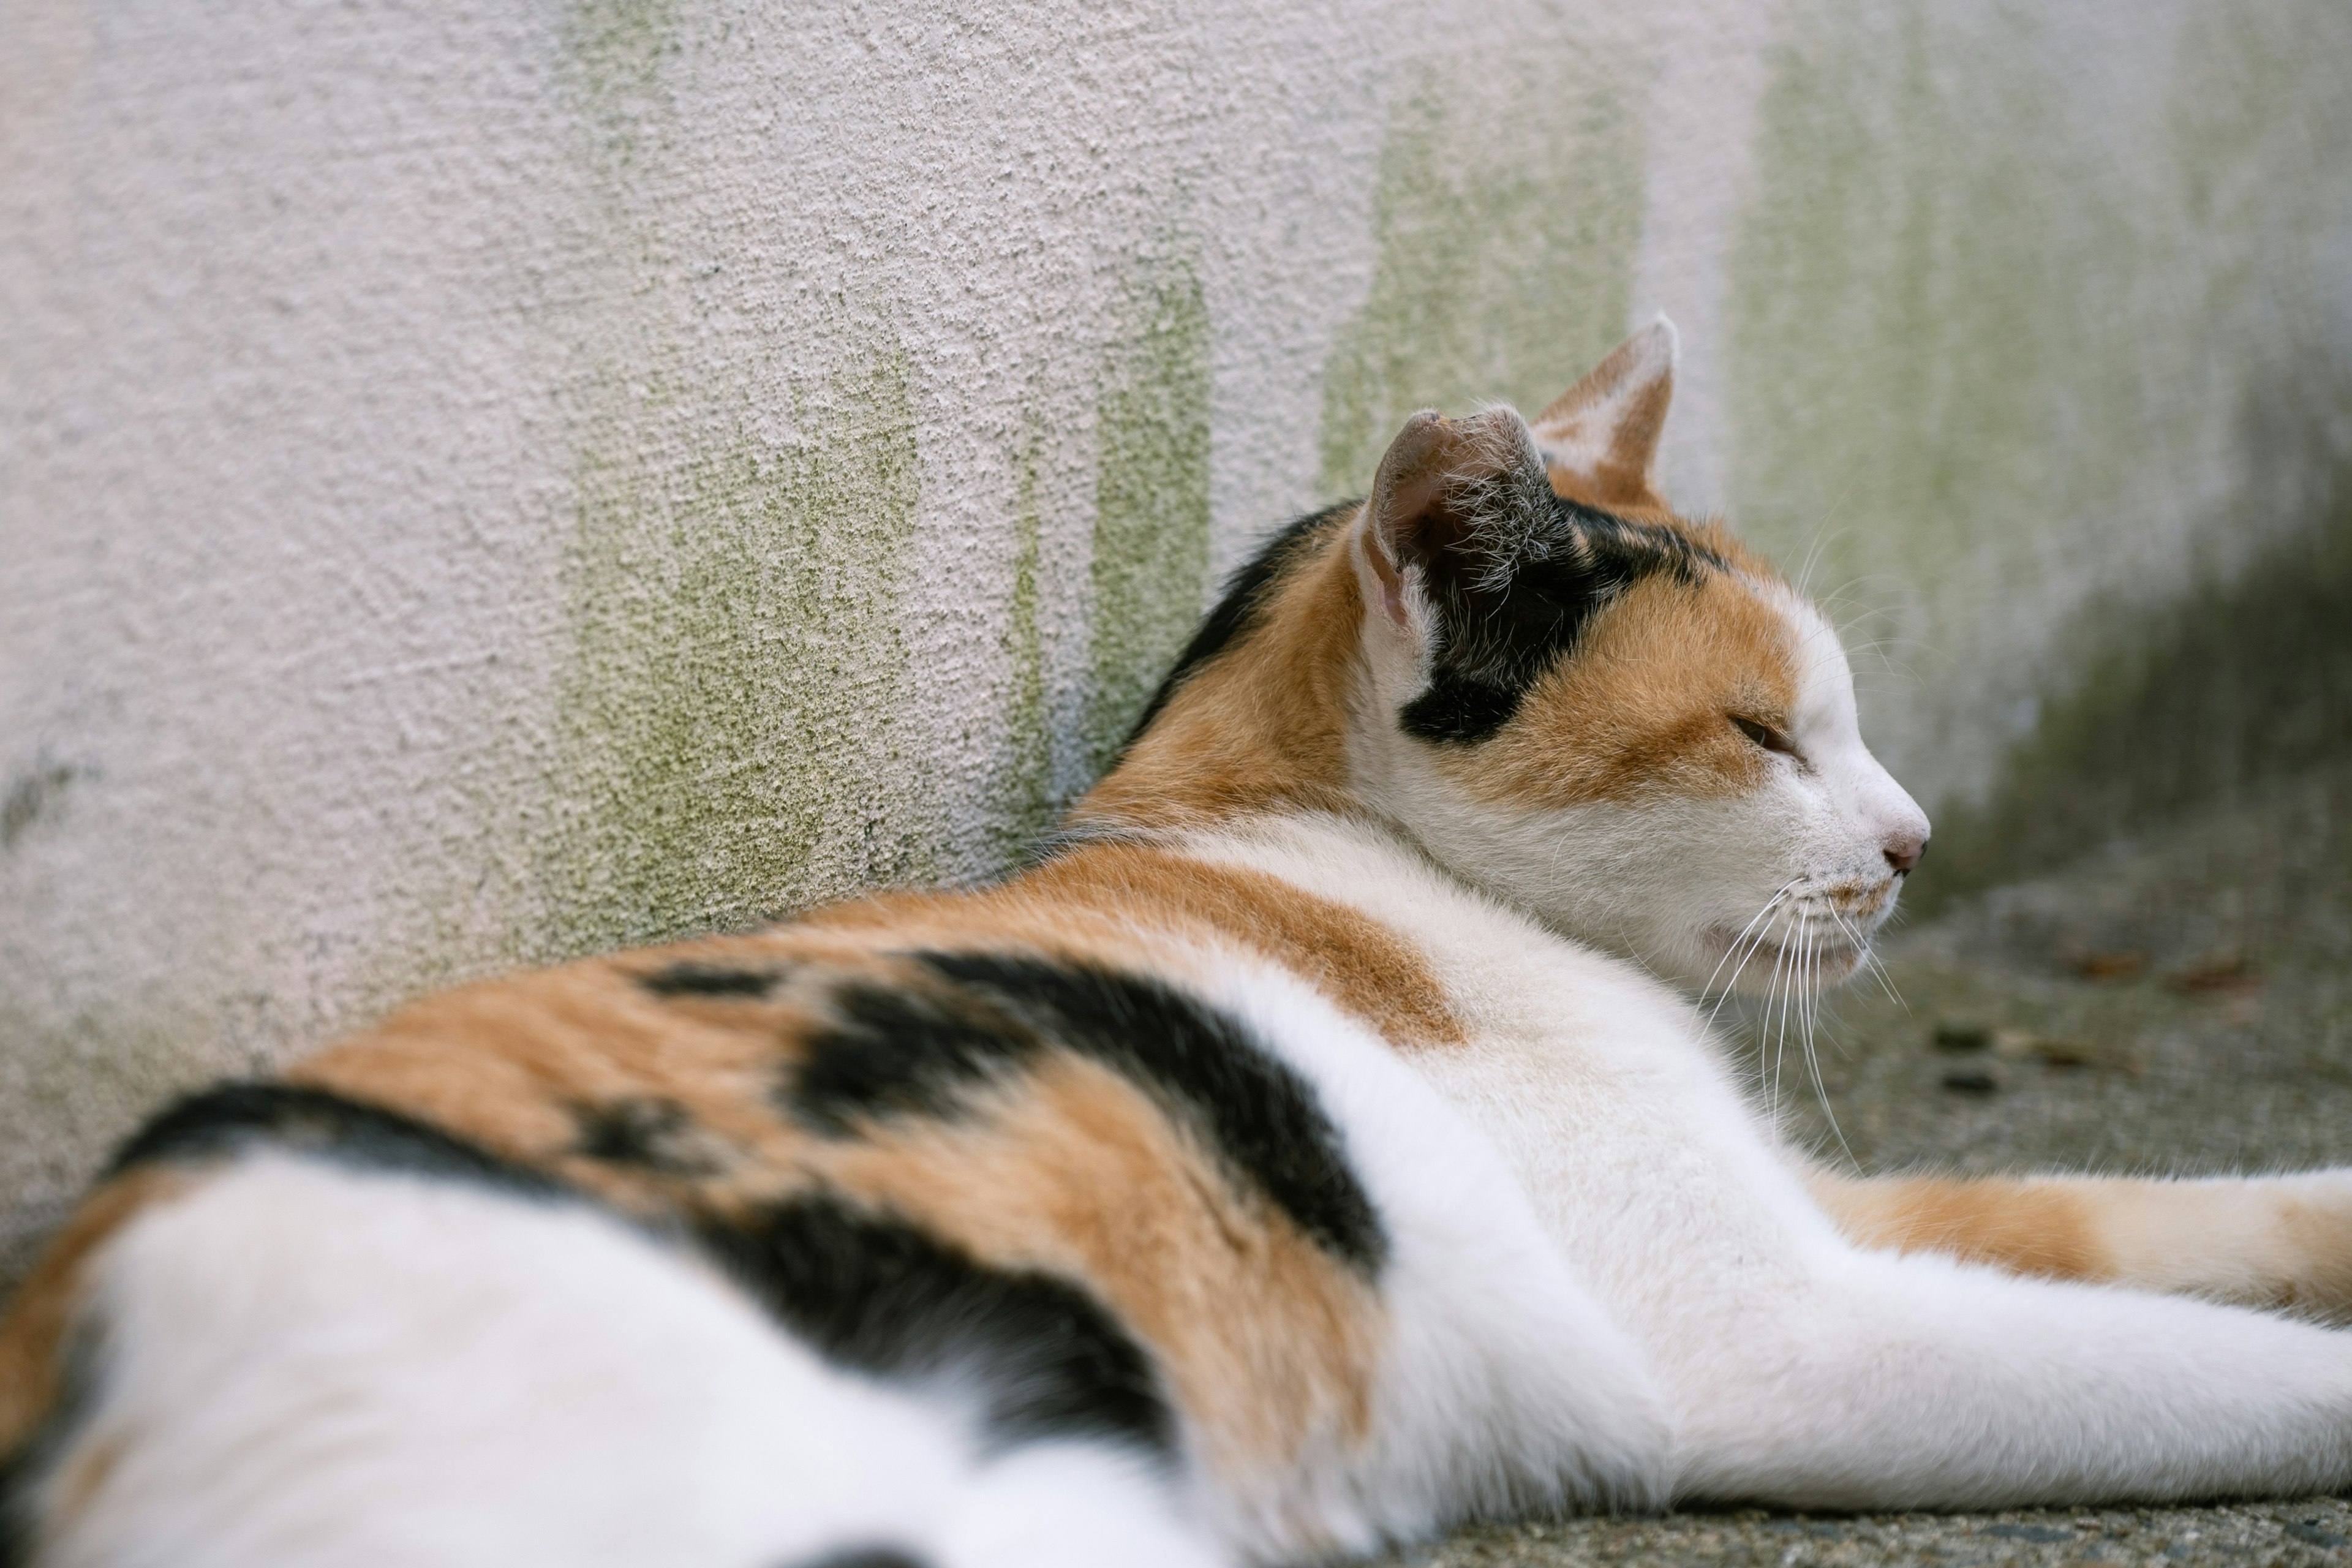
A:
(1452, 495)
(1600, 437)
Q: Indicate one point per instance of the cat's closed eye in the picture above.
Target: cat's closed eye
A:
(1763, 734)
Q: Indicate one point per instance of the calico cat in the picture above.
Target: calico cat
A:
(1318, 1148)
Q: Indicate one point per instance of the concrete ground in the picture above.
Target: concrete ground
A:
(2180, 1002)
(2287, 1535)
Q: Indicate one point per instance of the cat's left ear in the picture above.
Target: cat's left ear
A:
(1600, 437)
(1459, 505)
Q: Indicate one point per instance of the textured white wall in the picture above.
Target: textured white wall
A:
(482, 483)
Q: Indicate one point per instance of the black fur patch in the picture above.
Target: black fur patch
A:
(37, 1458)
(870, 1292)
(1503, 623)
(16, 1531)
(653, 1134)
(902, 1052)
(862, 1557)
(1236, 612)
(690, 978)
(235, 1117)
(875, 1293)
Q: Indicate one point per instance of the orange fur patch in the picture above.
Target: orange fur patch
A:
(39, 1330)
(1075, 1171)
(1366, 967)
(510, 1065)
(1262, 724)
(1612, 420)
(1641, 708)
(2024, 1225)
(1138, 906)
(2318, 1238)
(1066, 1167)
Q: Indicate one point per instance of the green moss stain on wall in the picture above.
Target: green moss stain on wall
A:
(728, 708)
(1150, 561)
(727, 741)
(1506, 213)
(1025, 800)
(2256, 90)
(2004, 368)
(2246, 675)
(2259, 134)
(615, 51)
(1935, 366)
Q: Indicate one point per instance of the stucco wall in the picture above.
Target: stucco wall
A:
(480, 484)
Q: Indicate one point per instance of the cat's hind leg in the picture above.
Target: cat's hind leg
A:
(296, 1363)
(1068, 1505)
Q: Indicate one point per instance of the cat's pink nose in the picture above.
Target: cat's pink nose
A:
(1903, 851)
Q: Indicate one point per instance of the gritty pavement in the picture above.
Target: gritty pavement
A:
(2289, 1535)
(2178, 1003)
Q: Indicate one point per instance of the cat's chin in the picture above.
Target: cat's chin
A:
(1756, 965)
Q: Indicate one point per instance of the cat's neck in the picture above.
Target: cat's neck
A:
(1262, 728)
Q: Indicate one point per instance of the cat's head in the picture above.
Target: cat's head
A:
(1616, 718)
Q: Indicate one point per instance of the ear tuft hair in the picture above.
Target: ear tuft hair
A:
(1470, 493)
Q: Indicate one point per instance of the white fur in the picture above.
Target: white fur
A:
(306, 1365)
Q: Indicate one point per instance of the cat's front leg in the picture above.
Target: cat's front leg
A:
(1877, 1381)
(2282, 1242)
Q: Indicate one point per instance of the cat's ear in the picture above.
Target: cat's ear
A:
(1455, 497)
(1600, 437)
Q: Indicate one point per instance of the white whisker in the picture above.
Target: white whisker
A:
(1766, 1034)
(1870, 962)
(1759, 914)
(1730, 984)
(1813, 1060)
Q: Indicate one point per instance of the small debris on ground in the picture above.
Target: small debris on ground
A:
(2223, 973)
(2064, 1051)
(2110, 963)
(1954, 1035)
(2024, 1045)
